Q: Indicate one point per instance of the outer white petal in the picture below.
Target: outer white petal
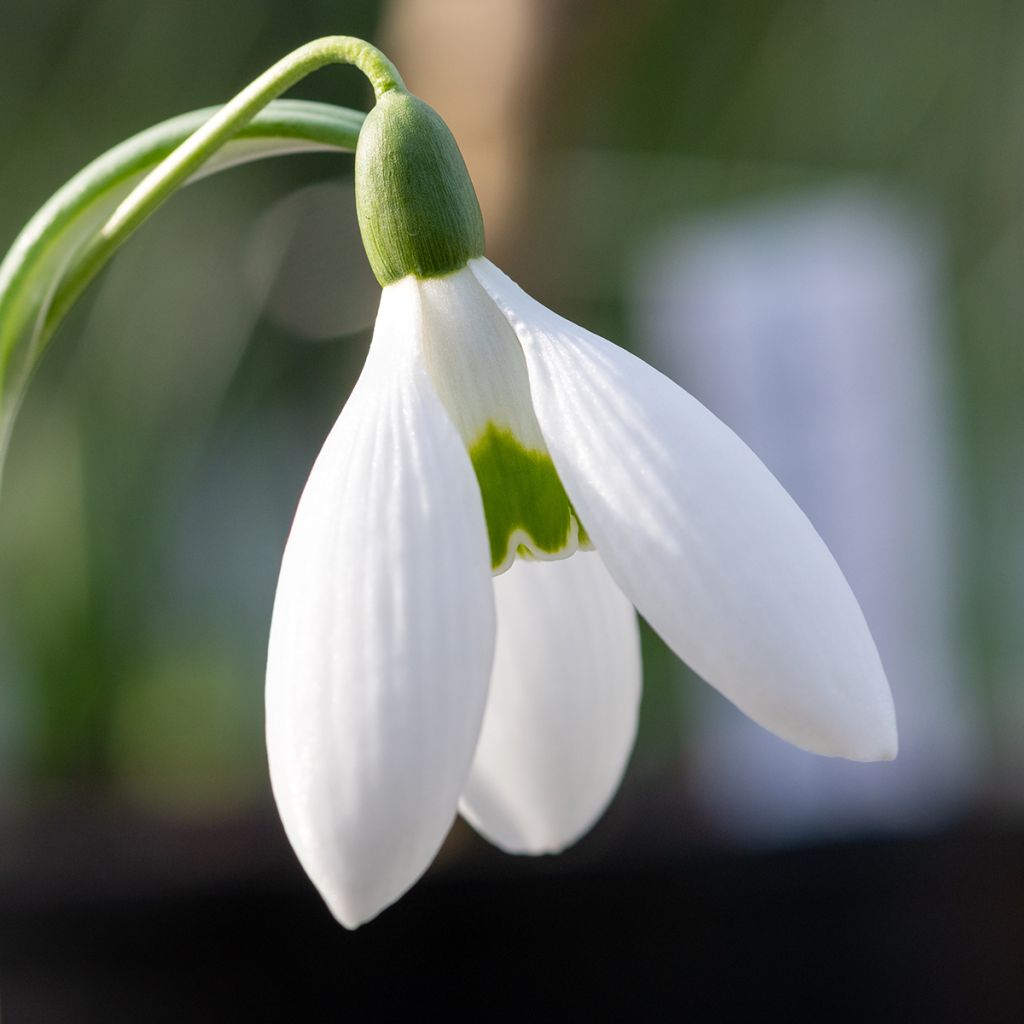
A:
(699, 534)
(382, 635)
(561, 715)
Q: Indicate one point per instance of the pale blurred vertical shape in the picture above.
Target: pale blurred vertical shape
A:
(814, 328)
(480, 63)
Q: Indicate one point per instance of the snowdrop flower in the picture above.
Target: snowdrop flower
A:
(454, 628)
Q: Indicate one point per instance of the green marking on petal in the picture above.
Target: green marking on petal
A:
(523, 499)
(582, 538)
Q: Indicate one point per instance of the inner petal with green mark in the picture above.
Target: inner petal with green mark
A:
(479, 371)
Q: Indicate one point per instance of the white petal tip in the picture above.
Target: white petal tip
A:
(510, 836)
(540, 849)
(349, 922)
(865, 741)
(520, 844)
(357, 904)
(884, 746)
(351, 917)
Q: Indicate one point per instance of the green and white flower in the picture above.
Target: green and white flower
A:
(454, 628)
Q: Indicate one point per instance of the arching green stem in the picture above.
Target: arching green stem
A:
(222, 126)
(84, 202)
(34, 293)
(76, 232)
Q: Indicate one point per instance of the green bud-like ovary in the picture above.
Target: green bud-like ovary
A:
(418, 212)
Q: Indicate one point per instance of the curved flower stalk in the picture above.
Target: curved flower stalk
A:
(454, 623)
(75, 234)
(54, 257)
(454, 627)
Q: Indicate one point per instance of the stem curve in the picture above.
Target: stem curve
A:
(223, 125)
(72, 237)
(44, 271)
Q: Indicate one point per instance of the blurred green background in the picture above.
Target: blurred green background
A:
(165, 440)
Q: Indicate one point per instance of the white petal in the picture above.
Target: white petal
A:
(475, 361)
(561, 715)
(477, 367)
(704, 540)
(383, 633)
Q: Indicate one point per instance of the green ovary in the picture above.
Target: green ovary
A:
(521, 492)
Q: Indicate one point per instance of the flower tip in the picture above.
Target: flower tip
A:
(351, 918)
(857, 722)
(356, 905)
(875, 739)
(885, 745)
(522, 844)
